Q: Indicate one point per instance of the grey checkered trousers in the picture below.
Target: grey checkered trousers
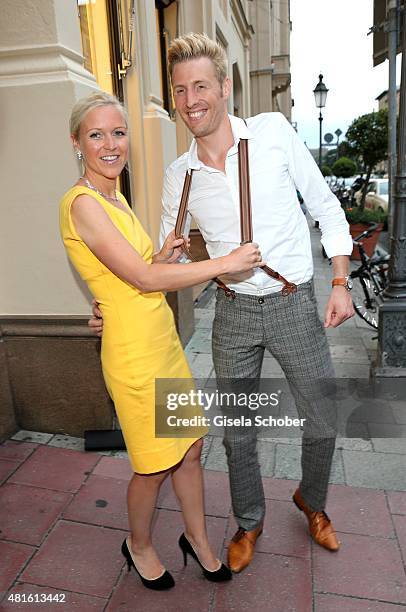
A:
(290, 329)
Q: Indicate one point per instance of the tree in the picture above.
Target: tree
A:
(330, 157)
(346, 150)
(344, 167)
(326, 170)
(368, 137)
(343, 150)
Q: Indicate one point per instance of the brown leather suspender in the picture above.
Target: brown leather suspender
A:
(246, 213)
(245, 193)
(245, 217)
(180, 226)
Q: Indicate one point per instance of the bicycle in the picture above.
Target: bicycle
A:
(372, 275)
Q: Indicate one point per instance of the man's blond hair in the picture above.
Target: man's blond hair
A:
(193, 46)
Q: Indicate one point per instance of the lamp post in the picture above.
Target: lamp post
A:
(320, 96)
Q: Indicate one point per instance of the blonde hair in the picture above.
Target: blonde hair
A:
(94, 100)
(193, 46)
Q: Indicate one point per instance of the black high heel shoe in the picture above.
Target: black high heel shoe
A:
(164, 581)
(220, 575)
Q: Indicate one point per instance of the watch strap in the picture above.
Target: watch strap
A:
(340, 281)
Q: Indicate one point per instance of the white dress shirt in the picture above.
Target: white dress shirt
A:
(279, 164)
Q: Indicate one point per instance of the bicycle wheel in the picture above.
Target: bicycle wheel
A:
(366, 297)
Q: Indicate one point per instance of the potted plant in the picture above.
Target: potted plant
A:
(359, 220)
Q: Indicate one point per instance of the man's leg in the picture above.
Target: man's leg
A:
(296, 338)
(237, 356)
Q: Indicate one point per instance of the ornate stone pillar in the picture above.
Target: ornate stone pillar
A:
(41, 77)
(43, 304)
(391, 359)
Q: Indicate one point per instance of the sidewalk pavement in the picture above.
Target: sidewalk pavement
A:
(63, 514)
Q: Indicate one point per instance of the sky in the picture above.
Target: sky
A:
(330, 36)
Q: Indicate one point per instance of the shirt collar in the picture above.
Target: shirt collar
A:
(239, 129)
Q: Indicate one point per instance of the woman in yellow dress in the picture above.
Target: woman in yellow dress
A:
(113, 254)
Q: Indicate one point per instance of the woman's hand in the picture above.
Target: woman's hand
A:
(244, 258)
(171, 249)
(96, 322)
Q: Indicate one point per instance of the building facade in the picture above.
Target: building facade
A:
(53, 52)
(270, 57)
(383, 100)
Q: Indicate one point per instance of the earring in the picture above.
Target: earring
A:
(79, 154)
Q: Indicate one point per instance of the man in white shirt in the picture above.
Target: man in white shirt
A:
(260, 317)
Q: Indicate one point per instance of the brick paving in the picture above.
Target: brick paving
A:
(55, 541)
(63, 513)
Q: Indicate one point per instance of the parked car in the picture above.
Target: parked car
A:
(377, 195)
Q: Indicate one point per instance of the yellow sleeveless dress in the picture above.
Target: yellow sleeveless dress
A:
(139, 342)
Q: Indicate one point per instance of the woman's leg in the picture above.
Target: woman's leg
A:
(141, 498)
(187, 479)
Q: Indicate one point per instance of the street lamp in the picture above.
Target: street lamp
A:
(320, 96)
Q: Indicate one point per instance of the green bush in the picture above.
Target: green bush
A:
(365, 215)
(344, 167)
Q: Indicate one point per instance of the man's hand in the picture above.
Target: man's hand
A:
(96, 322)
(339, 307)
(171, 249)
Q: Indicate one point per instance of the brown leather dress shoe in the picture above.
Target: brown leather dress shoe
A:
(241, 548)
(320, 526)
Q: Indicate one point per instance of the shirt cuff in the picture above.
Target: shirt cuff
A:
(339, 244)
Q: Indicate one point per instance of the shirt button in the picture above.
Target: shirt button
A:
(261, 300)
